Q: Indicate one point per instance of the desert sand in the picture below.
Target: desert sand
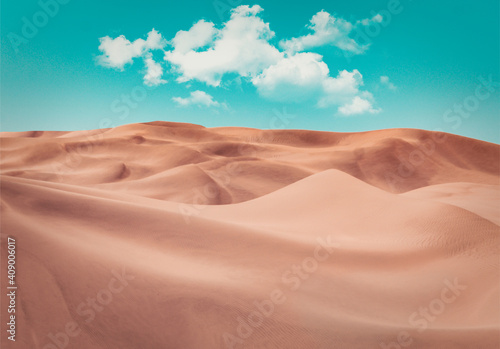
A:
(169, 235)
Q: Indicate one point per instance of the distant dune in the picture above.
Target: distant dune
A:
(168, 235)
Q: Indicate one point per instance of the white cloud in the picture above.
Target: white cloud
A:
(154, 72)
(241, 47)
(245, 10)
(199, 98)
(201, 34)
(154, 41)
(384, 80)
(118, 52)
(358, 105)
(305, 77)
(341, 88)
(375, 19)
(297, 78)
(328, 30)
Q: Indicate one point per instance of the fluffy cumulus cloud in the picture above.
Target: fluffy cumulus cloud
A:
(118, 52)
(296, 78)
(304, 77)
(201, 34)
(341, 88)
(358, 105)
(154, 71)
(329, 30)
(242, 48)
(199, 98)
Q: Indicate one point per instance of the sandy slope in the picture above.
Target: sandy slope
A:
(323, 240)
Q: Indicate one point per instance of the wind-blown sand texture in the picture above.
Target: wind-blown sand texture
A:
(169, 235)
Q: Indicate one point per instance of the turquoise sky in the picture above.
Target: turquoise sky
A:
(421, 67)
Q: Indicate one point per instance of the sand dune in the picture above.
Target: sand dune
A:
(167, 235)
(482, 199)
(133, 158)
